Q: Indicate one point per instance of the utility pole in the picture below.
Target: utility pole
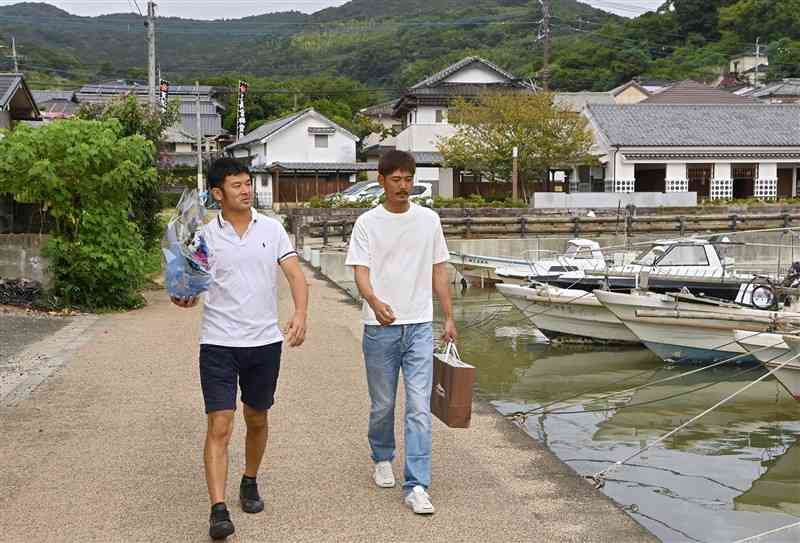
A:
(514, 174)
(546, 27)
(151, 53)
(758, 59)
(199, 129)
(14, 54)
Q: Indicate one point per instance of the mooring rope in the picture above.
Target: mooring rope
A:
(768, 532)
(599, 477)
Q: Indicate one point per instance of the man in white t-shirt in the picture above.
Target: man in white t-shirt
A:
(240, 337)
(399, 256)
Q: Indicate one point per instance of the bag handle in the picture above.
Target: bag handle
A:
(451, 348)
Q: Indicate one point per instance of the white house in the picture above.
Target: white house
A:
(296, 157)
(749, 67)
(423, 110)
(674, 154)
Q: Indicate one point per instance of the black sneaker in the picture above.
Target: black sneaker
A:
(220, 525)
(249, 497)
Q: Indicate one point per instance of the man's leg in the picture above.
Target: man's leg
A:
(215, 455)
(418, 380)
(382, 360)
(258, 378)
(257, 422)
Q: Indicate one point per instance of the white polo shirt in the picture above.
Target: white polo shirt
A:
(400, 250)
(241, 306)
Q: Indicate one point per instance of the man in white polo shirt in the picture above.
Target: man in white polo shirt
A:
(399, 256)
(241, 338)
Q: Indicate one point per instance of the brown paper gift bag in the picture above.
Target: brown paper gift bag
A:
(451, 397)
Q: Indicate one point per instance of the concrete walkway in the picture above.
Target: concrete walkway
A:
(109, 449)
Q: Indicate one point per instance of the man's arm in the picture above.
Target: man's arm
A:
(296, 329)
(383, 312)
(441, 288)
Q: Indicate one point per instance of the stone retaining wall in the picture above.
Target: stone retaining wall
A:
(21, 257)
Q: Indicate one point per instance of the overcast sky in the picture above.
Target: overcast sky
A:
(232, 9)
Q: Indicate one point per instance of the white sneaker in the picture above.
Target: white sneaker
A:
(419, 501)
(383, 475)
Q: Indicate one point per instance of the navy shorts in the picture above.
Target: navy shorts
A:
(255, 368)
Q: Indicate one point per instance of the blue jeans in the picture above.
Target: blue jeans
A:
(387, 350)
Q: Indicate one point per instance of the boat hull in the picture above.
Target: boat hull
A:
(567, 312)
(772, 351)
(678, 340)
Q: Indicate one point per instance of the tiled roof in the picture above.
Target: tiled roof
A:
(692, 92)
(787, 87)
(42, 96)
(384, 108)
(578, 100)
(8, 86)
(461, 64)
(713, 125)
(344, 167)
(267, 129)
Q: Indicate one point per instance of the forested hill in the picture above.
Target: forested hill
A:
(392, 43)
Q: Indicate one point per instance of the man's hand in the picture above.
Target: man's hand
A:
(185, 302)
(450, 334)
(383, 312)
(296, 330)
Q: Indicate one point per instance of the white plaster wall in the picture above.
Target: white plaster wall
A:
(423, 137)
(446, 182)
(597, 200)
(624, 170)
(768, 170)
(295, 144)
(427, 115)
(240, 153)
(722, 170)
(676, 171)
(427, 174)
(475, 73)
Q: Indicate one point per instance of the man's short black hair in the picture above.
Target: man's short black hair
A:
(394, 160)
(222, 168)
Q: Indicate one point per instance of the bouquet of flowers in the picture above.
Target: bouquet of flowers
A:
(187, 257)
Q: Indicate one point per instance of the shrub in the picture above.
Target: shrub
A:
(91, 178)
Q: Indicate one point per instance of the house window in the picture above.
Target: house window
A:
(439, 116)
(321, 141)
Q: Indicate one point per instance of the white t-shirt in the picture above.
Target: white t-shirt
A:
(400, 250)
(241, 306)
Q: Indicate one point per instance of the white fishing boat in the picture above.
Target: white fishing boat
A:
(685, 328)
(581, 255)
(557, 311)
(483, 267)
(775, 350)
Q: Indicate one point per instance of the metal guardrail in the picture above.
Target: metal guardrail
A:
(524, 226)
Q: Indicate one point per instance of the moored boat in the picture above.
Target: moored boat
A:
(681, 328)
(556, 311)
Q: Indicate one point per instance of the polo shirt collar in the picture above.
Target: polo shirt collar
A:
(253, 218)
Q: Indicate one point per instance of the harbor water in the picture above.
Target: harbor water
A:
(732, 474)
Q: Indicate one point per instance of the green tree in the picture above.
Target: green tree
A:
(547, 135)
(769, 20)
(784, 59)
(85, 174)
(137, 119)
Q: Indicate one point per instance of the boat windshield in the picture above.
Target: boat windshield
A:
(649, 256)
